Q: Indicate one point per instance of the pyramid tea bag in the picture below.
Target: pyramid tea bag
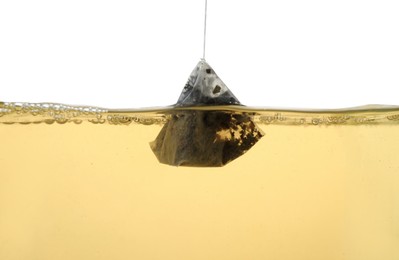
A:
(205, 137)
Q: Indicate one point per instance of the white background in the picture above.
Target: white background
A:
(285, 53)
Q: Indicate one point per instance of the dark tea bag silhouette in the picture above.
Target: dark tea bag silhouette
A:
(199, 136)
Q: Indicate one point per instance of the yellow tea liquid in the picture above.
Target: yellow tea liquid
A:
(83, 183)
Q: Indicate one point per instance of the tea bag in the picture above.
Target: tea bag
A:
(205, 137)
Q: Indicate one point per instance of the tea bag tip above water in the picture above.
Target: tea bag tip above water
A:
(205, 138)
(204, 87)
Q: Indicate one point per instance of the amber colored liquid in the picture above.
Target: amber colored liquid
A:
(84, 184)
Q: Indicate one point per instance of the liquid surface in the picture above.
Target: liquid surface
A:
(83, 183)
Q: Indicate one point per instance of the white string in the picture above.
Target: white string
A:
(206, 7)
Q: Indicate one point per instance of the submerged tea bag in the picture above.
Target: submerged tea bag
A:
(204, 137)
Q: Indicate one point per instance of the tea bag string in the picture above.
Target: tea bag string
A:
(206, 7)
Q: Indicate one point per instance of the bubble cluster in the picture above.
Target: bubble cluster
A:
(48, 113)
(319, 119)
(331, 120)
(118, 119)
(393, 117)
